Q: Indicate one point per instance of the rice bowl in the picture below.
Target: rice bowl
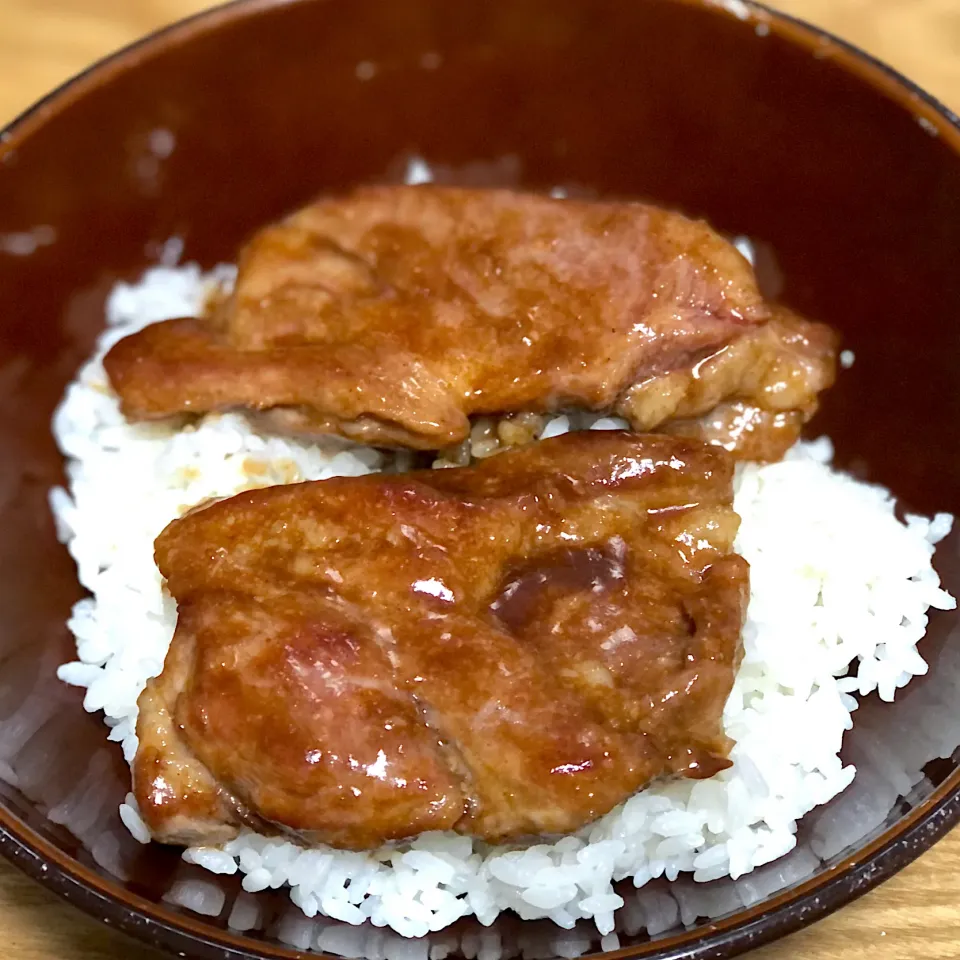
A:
(840, 588)
(878, 273)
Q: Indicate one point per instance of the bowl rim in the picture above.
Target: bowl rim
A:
(788, 911)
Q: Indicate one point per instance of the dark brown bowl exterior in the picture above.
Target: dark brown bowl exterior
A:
(848, 178)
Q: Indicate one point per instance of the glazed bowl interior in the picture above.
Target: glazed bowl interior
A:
(846, 179)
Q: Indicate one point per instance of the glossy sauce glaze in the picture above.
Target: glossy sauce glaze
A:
(505, 650)
(395, 314)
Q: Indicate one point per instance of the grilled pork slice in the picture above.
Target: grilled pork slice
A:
(394, 315)
(505, 650)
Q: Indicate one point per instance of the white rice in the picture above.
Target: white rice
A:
(840, 590)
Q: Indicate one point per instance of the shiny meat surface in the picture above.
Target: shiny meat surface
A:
(504, 650)
(394, 315)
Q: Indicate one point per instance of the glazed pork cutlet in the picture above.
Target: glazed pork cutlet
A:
(394, 315)
(506, 650)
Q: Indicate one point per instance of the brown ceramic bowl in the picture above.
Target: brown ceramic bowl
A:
(846, 176)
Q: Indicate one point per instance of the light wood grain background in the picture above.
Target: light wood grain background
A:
(915, 916)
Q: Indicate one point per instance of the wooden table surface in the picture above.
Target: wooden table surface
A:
(916, 915)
